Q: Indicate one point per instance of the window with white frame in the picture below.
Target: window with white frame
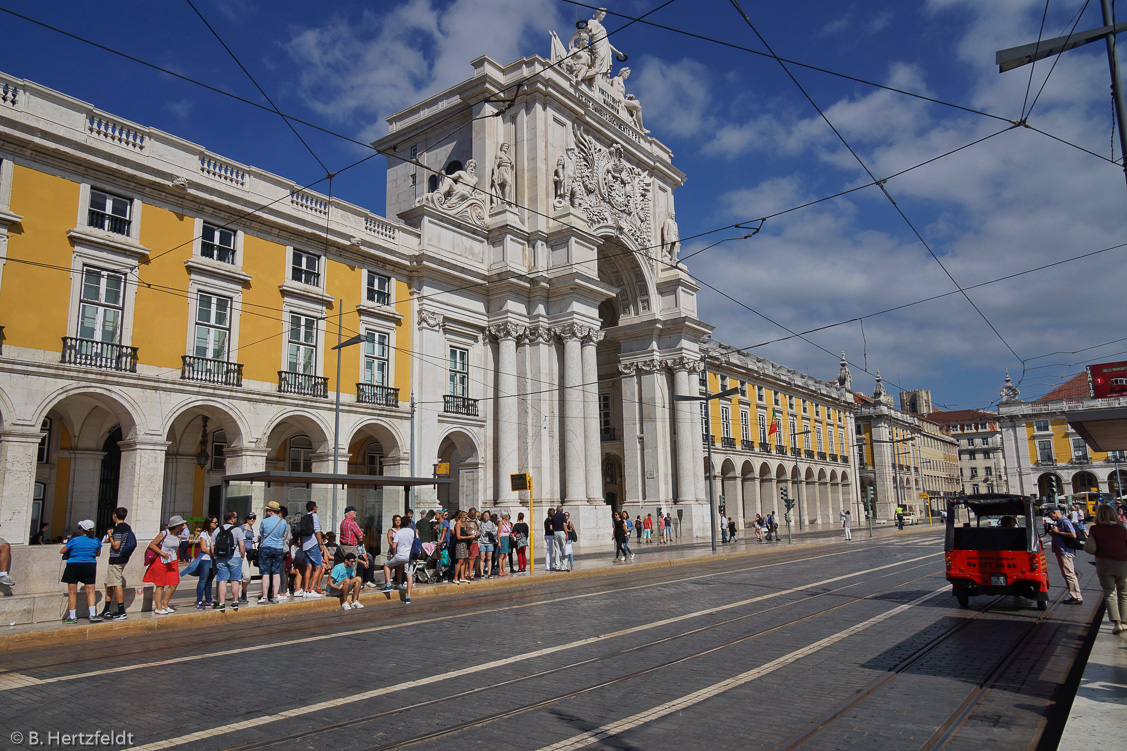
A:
(704, 418)
(989, 471)
(776, 398)
(702, 378)
(723, 383)
(217, 243)
(44, 453)
(109, 212)
(101, 305)
(970, 442)
(759, 397)
(219, 451)
(1041, 426)
(818, 435)
(300, 454)
(859, 429)
(1045, 451)
(974, 489)
(375, 458)
(604, 413)
(301, 354)
(790, 404)
(1079, 449)
(973, 472)
(762, 426)
(830, 438)
(725, 421)
(378, 288)
(745, 425)
(806, 438)
(794, 433)
(459, 371)
(743, 388)
(841, 440)
(306, 268)
(213, 326)
(376, 350)
(805, 407)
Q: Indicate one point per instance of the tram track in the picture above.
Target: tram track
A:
(956, 719)
(540, 704)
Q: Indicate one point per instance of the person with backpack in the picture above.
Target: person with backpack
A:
(1064, 536)
(311, 542)
(122, 544)
(273, 539)
(399, 555)
(227, 546)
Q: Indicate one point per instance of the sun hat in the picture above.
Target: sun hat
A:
(176, 521)
(87, 525)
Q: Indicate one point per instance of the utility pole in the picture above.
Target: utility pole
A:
(1015, 57)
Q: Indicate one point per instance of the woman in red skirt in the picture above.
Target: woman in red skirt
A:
(164, 572)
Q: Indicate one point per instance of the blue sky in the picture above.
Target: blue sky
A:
(746, 136)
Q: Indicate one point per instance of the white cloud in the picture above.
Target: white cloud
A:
(368, 66)
(678, 95)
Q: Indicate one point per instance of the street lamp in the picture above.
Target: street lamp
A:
(336, 410)
(708, 430)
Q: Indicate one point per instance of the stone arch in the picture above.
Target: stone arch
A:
(7, 410)
(749, 486)
(76, 404)
(767, 489)
(730, 487)
(619, 266)
(462, 451)
(291, 422)
(1116, 481)
(1084, 482)
(391, 443)
(234, 423)
(192, 489)
(1049, 484)
(824, 506)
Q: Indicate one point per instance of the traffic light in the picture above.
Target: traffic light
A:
(788, 502)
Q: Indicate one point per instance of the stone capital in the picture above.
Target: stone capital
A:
(143, 444)
(594, 336)
(571, 331)
(689, 364)
(539, 334)
(501, 331)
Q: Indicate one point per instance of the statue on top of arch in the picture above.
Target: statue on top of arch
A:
(588, 60)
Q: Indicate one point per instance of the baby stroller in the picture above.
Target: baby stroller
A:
(427, 568)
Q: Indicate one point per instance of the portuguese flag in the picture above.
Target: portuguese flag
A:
(774, 423)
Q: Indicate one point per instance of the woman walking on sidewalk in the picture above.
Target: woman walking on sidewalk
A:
(1107, 540)
(520, 539)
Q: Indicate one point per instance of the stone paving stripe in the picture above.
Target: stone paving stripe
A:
(353, 698)
(6, 685)
(689, 700)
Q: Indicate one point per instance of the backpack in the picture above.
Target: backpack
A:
(417, 553)
(224, 545)
(1081, 538)
(306, 526)
(128, 546)
(629, 524)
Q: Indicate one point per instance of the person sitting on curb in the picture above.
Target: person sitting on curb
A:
(346, 583)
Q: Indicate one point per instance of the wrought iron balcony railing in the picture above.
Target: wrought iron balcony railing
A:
(747, 445)
(119, 225)
(303, 384)
(459, 405)
(217, 252)
(384, 396)
(606, 434)
(211, 371)
(728, 442)
(103, 355)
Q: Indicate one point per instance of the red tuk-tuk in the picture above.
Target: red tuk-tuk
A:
(1000, 553)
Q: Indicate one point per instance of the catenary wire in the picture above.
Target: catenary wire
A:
(1056, 59)
(1033, 64)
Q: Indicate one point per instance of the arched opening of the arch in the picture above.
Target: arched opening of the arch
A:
(824, 512)
(767, 492)
(463, 491)
(730, 502)
(195, 464)
(79, 463)
(298, 444)
(1085, 482)
(750, 485)
(374, 449)
(1049, 485)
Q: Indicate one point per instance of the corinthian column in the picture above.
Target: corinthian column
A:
(688, 430)
(591, 413)
(575, 447)
(506, 425)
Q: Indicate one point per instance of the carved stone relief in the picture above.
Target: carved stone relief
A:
(430, 319)
(459, 196)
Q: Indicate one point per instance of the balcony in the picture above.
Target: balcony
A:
(765, 447)
(1046, 462)
(822, 455)
(845, 459)
(706, 439)
(728, 442)
(103, 355)
(118, 225)
(303, 384)
(459, 405)
(747, 445)
(383, 396)
(217, 252)
(607, 434)
(205, 369)
(1081, 459)
(379, 296)
(808, 453)
(833, 457)
(781, 450)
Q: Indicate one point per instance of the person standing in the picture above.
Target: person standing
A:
(227, 547)
(520, 539)
(81, 552)
(549, 540)
(847, 524)
(660, 528)
(617, 534)
(723, 528)
(401, 543)
(505, 547)
(900, 518)
(250, 554)
(559, 537)
(638, 528)
(352, 539)
(115, 572)
(1107, 540)
(462, 538)
(1062, 533)
(204, 564)
(273, 539)
(731, 529)
(164, 572)
(311, 542)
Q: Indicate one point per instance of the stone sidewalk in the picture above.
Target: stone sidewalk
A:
(1098, 719)
(592, 559)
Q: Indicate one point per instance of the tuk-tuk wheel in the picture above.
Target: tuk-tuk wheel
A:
(1042, 605)
(962, 596)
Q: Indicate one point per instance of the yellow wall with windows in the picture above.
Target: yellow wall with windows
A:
(262, 330)
(160, 313)
(36, 299)
(1062, 442)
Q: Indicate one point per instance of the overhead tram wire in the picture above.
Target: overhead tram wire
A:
(884, 189)
(1036, 49)
(1056, 59)
(242, 67)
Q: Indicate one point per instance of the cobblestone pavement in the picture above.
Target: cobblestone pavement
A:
(835, 646)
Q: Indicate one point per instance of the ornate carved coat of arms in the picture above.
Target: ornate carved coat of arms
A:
(610, 191)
